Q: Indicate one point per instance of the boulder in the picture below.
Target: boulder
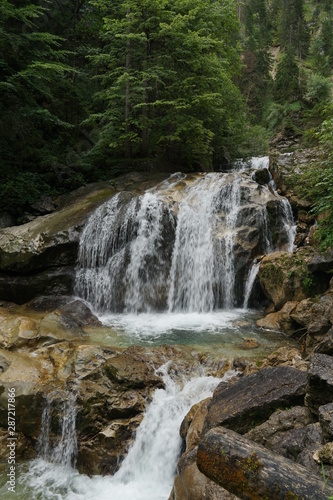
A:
(325, 414)
(252, 472)
(319, 391)
(251, 400)
(281, 421)
(191, 484)
(281, 320)
(282, 277)
(322, 262)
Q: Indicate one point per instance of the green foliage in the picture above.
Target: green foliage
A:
(293, 29)
(318, 89)
(286, 84)
(316, 182)
(19, 192)
(166, 72)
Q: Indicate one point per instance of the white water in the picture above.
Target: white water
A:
(147, 472)
(173, 248)
(64, 451)
(250, 282)
(202, 270)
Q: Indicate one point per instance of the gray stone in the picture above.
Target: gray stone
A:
(319, 389)
(251, 400)
(325, 413)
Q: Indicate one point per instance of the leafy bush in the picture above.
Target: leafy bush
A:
(316, 182)
(318, 88)
(17, 193)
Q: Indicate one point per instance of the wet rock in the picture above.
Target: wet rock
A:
(249, 343)
(262, 176)
(281, 320)
(191, 427)
(23, 288)
(251, 400)
(282, 276)
(191, 484)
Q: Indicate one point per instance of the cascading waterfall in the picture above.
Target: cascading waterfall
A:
(122, 254)
(64, 451)
(148, 470)
(173, 249)
(284, 213)
(202, 271)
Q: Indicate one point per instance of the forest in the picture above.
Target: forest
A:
(91, 89)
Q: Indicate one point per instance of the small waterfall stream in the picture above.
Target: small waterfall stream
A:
(148, 470)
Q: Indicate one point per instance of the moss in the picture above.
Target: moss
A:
(253, 464)
(273, 273)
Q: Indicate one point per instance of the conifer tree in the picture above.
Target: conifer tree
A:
(166, 70)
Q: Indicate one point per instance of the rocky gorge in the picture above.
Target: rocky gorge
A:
(276, 410)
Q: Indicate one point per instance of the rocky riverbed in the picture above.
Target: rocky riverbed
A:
(273, 411)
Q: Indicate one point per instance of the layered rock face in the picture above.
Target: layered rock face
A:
(39, 257)
(298, 285)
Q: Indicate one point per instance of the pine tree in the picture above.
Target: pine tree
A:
(166, 69)
(286, 85)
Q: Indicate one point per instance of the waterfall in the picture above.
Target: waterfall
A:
(250, 282)
(123, 254)
(202, 271)
(148, 470)
(64, 450)
(174, 248)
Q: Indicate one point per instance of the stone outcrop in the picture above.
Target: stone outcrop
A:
(250, 400)
(38, 257)
(320, 382)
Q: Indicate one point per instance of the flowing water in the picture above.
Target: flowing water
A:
(176, 265)
(148, 470)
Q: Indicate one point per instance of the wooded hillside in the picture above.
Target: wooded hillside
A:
(91, 89)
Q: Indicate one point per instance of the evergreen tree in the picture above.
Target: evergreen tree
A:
(256, 79)
(33, 79)
(166, 69)
(293, 29)
(286, 85)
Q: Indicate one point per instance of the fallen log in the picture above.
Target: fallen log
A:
(252, 472)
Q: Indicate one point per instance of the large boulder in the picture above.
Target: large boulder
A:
(284, 277)
(250, 471)
(320, 382)
(251, 400)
